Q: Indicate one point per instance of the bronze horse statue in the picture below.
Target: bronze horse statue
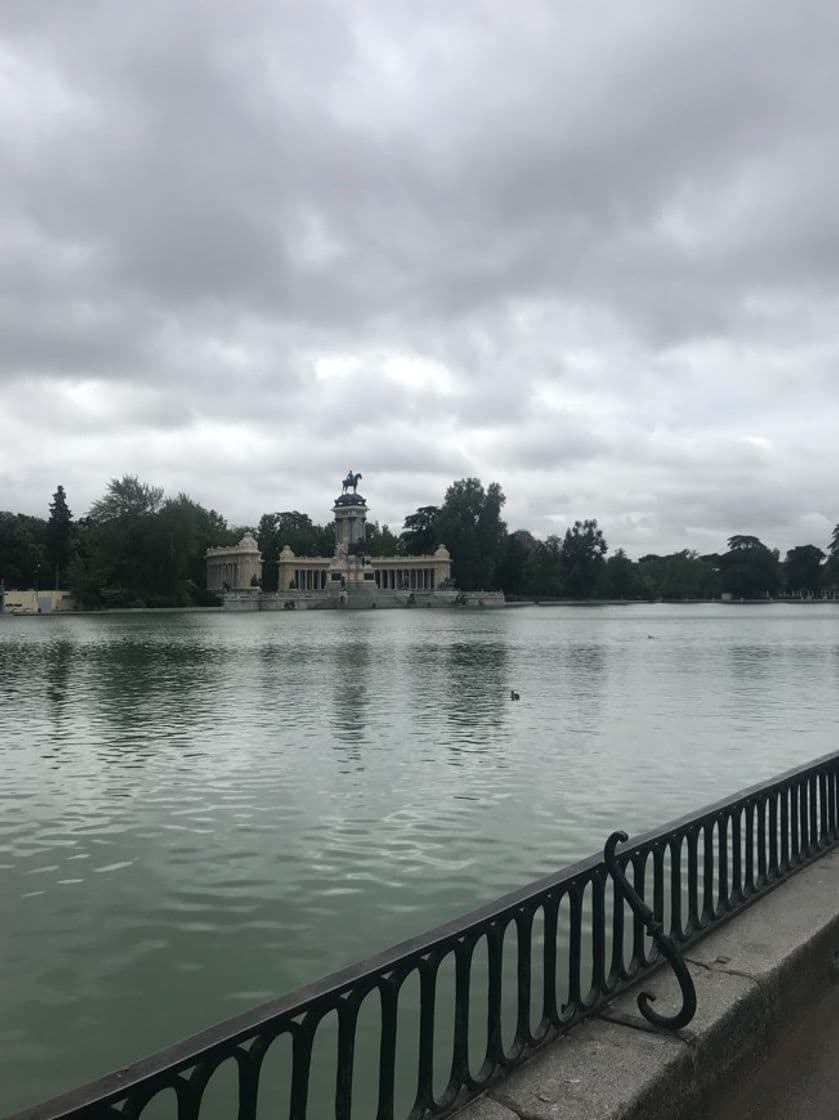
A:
(351, 482)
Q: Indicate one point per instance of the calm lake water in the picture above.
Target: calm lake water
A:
(201, 811)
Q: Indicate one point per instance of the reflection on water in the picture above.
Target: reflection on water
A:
(198, 812)
(349, 690)
(57, 673)
(476, 691)
(587, 667)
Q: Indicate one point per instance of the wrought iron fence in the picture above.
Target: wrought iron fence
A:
(508, 977)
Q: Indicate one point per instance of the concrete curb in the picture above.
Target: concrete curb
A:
(754, 978)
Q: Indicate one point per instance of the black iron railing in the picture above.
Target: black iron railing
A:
(419, 1029)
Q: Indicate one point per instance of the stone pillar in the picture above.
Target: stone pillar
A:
(442, 564)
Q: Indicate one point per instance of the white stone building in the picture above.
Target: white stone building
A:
(348, 578)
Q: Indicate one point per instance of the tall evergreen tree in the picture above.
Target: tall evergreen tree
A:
(833, 547)
(831, 569)
(59, 536)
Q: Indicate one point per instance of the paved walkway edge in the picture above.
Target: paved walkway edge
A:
(755, 977)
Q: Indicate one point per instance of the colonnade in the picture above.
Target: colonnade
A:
(310, 579)
(396, 579)
(219, 575)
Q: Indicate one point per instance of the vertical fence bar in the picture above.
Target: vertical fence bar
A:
(749, 883)
(824, 827)
(427, 969)
(800, 815)
(301, 1060)
(737, 853)
(249, 1062)
(524, 938)
(598, 936)
(786, 848)
(550, 1012)
(459, 1074)
(639, 867)
(723, 889)
(495, 967)
(693, 880)
(347, 1020)
(833, 808)
(815, 839)
(617, 969)
(707, 914)
(575, 948)
(676, 931)
(761, 840)
(773, 834)
(389, 989)
(658, 882)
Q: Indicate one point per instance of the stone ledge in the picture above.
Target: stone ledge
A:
(753, 978)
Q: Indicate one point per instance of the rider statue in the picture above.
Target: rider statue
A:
(350, 482)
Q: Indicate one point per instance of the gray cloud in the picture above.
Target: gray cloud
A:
(590, 252)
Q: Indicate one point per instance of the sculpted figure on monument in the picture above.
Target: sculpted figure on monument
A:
(351, 482)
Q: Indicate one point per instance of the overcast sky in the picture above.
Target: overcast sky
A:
(590, 251)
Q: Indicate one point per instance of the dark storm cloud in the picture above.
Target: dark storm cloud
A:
(591, 251)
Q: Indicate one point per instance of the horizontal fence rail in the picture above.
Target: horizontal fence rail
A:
(420, 1029)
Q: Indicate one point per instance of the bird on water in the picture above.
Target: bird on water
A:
(514, 695)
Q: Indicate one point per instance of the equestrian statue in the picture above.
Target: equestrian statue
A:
(351, 482)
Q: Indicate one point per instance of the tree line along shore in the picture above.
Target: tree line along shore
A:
(136, 547)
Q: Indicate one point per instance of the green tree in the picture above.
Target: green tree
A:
(622, 577)
(23, 542)
(543, 570)
(135, 549)
(511, 574)
(685, 576)
(380, 540)
(469, 524)
(126, 497)
(803, 570)
(295, 529)
(651, 569)
(420, 535)
(180, 534)
(833, 547)
(59, 536)
(749, 570)
(582, 555)
(117, 546)
(830, 576)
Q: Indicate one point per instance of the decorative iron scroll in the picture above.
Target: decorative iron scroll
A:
(664, 942)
